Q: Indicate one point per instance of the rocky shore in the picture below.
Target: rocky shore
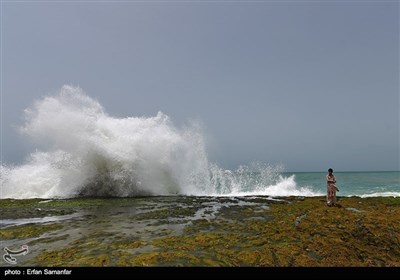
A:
(203, 231)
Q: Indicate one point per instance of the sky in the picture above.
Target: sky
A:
(306, 84)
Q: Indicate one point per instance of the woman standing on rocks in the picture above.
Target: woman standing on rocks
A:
(331, 188)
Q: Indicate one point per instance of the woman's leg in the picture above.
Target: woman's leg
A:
(329, 197)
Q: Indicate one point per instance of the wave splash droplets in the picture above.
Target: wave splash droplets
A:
(86, 152)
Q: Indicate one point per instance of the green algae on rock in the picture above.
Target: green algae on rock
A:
(26, 231)
(212, 231)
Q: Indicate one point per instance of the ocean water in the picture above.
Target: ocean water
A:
(83, 151)
(364, 184)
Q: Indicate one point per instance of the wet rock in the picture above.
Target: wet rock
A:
(354, 210)
(298, 220)
(150, 232)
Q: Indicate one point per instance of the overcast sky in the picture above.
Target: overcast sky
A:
(309, 84)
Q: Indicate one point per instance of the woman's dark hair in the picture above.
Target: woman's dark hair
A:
(330, 170)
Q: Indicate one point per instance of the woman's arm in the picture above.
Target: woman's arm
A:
(330, 179)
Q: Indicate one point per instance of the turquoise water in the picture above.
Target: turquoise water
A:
(352, 183)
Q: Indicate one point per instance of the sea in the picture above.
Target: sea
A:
(83, 151)
(363, 184)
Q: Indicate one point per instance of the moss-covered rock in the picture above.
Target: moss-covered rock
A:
(291, 231)
(26, 231)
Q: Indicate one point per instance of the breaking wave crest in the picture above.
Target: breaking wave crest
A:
(85, 152)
